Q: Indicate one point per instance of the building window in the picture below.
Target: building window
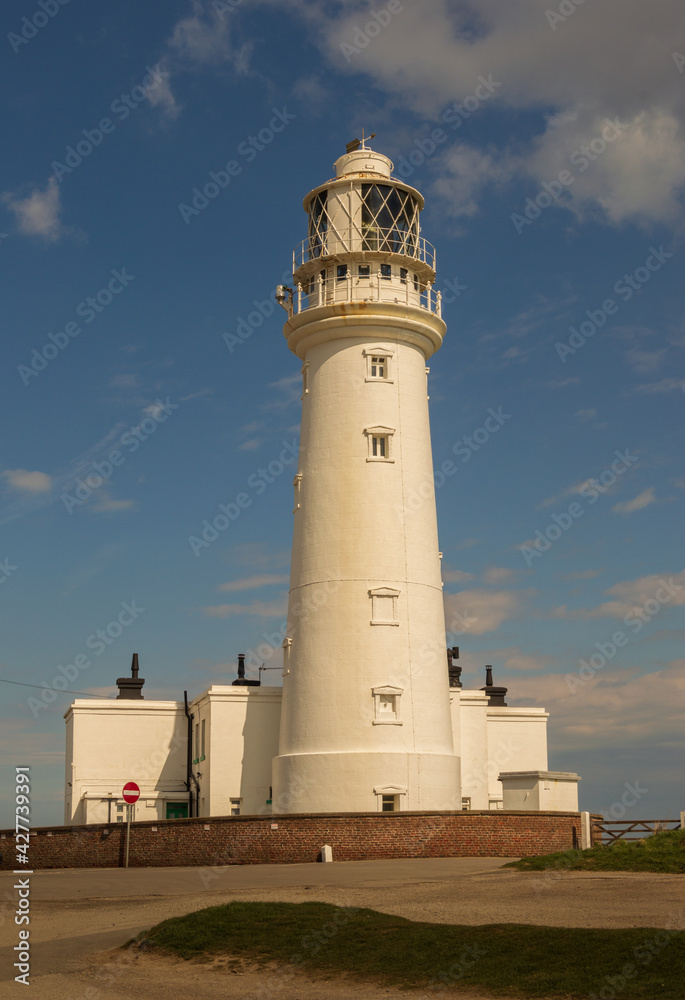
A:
(416, 283)
(235, 807)
(202, 740)
(341, 272)
(380, 444)
(305, 379)
(403, 275)
(379, 367)
(387, 706)
(378, 364)
(386, 272)
(364, 271)
(495, 804)
(121, 812)
(384, 609)
(466, 804)
(390, 797)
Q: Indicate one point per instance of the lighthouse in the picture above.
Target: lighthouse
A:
(366, 724)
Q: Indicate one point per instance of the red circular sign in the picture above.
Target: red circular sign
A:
(131, 792)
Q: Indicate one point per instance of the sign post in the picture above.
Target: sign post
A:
(131, 794)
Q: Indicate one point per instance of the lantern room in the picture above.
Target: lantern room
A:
(364, 240)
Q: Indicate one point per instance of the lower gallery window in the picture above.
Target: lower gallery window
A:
(235, 807)
(389, 803)
(379, 446)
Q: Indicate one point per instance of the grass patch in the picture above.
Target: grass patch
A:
(514, 959)
(662, 852)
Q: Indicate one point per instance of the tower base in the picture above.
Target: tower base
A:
(365, 782)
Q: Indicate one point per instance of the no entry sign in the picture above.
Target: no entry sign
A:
(131, 792)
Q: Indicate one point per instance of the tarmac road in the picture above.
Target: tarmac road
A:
(77, 914)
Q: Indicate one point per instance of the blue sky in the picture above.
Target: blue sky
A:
(551, 153)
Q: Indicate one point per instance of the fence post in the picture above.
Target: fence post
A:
(585, 831)
(682, 821)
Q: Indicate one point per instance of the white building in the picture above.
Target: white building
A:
(366, 719)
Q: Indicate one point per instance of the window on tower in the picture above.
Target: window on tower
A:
(364, 270)
(386, 272)
(388, 803)
(379, 444)
(341, 272)
(378, 365)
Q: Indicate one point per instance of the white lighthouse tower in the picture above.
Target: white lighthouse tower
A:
(365, 722)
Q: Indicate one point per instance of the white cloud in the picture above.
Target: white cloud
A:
(204, 38)
(159, 94)
(465, 171)
(431, 55)
(663, 589)
(666, 385)
(467, 543)
(585, 415)
(499, 574)
(639, 502)
(105, 504)
(479, 611)
(616, 707)
(456, 576)
(29, 482)
(253, 582)
(38, 213)
(260, 609)
(583, 574)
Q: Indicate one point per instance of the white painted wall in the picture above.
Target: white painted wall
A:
(241, 733)
(110, 742)
(541, 790)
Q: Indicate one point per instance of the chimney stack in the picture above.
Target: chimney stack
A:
(130, 687)
(495, 694)
(242, 681)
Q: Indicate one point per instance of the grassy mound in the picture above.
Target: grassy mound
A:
(514, 959)
(662, 852)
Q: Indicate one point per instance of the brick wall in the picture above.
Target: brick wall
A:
(225, 840)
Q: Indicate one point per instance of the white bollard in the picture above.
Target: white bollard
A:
(326, 853)
(585, 831)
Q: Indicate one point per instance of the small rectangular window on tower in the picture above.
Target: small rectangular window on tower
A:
(389, 803)
(235, 807)
(341, 272)
(403, 275)
(364, 271)
(380, 443)
(386, 272)
(378, 367)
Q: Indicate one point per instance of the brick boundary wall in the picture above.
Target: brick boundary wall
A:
(296, 839)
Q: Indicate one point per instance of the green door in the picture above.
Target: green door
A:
(177, 810)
